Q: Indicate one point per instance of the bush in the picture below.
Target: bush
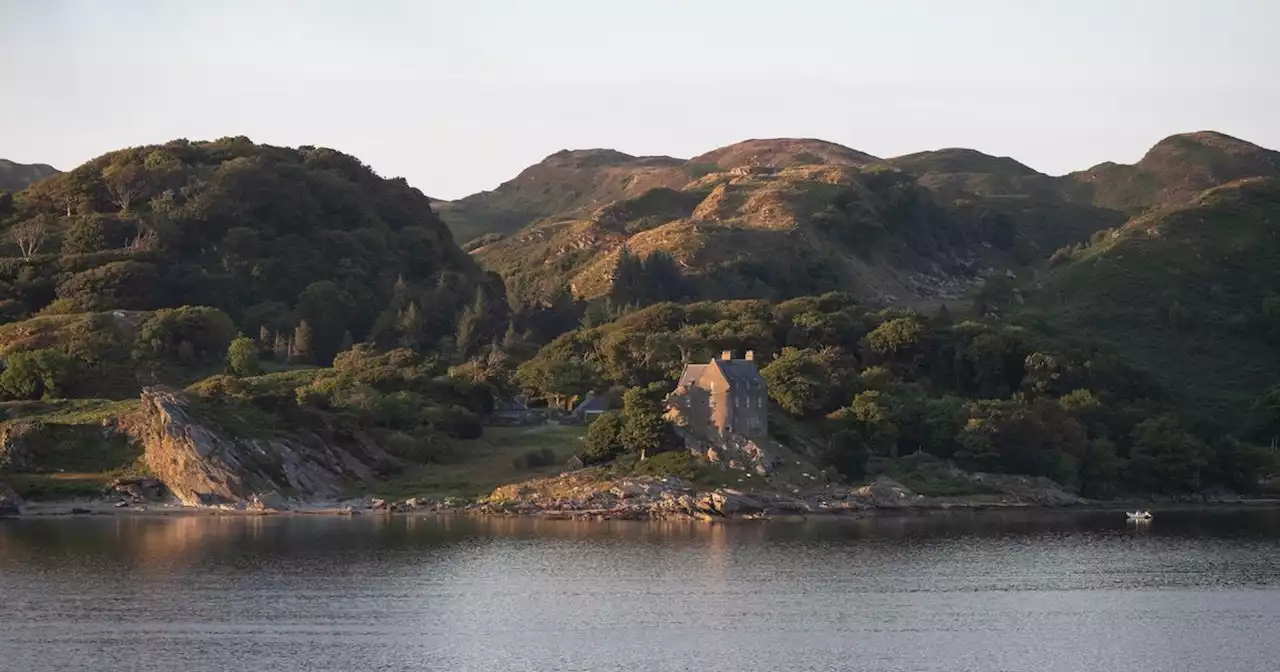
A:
(674, 463)
(535, 459)
(604, 438)
(186, 333)
(35, 374)
(242, 357)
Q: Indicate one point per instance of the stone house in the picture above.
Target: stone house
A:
(725, 396)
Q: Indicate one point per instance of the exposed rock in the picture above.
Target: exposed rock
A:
(734, 452)
(886, 493)
(1025, 489)
(266, 501)
(138, 489)
(732, 502)
(10, 502)
(202, 465)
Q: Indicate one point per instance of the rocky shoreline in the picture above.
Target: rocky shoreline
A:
(581, 496)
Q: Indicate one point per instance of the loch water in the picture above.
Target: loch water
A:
(1193, 591)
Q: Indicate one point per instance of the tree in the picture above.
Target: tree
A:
(603, 440)
(896, 336)
(35, 374)
(124, 184)
(642, 411)
(847, 453)
(1164, 457)
(242, 357)
(87, 234)
(802, 382)
(28, 235)
(186, 333)
(301, 350)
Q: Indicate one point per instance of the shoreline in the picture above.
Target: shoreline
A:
(99, 509)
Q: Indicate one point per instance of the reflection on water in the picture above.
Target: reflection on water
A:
(954, 591)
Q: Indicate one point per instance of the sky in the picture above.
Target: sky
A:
(459, 96)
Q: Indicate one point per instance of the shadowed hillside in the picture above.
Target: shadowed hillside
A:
(1173, 171)
(15, 176)
(1189, 293)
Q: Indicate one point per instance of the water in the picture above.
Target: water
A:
(968, 592)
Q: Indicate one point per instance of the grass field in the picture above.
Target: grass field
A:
(486, 463)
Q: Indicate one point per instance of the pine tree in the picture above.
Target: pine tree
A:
(471, 325)
(409, 324)
(282, 348)
(302, 343)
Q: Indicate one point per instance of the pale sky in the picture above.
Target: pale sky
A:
(459, 96)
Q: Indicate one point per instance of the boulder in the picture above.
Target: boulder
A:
(728, 502)
(138, 489)
(10, 502)
(886, 493)
(266, 501)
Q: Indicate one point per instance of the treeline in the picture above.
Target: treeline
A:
(990, 396)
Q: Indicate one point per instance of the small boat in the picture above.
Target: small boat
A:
(1138, 516)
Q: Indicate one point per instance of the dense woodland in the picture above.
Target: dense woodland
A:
(296, 288)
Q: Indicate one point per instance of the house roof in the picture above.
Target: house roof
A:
(691, 374)
(740, 372)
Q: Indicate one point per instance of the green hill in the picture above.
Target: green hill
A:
(15, 176)
(1173, 171)
(1188, 293)
(272, 236)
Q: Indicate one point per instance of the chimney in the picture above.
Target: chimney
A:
(751, 355)
(726, 355)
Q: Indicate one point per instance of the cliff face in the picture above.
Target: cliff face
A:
(204, 465)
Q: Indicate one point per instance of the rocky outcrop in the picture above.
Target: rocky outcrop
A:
(886, 493)
(204, 465)
(138, 489)
(10, 502)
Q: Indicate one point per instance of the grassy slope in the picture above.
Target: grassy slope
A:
(487, 462)
(80, 456)
(1216, 259)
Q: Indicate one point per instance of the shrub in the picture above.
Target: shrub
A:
(604, 438)
(35, 374)
(242, 357)
(535, 459)
(674, 463)
(189, 332)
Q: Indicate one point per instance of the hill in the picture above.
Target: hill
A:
(578, 181)
(15, 176)
(563, 182)
(1001, 194)
(754, 232)
(1173, 171)
(1188, 293)
(272, 236)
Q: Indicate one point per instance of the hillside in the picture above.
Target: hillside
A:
(271, 236)
(1173, 171)
(757, 232)
(15, 176)
(1188, 293)
(999, 195)
(578, 181)
(563, 182)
